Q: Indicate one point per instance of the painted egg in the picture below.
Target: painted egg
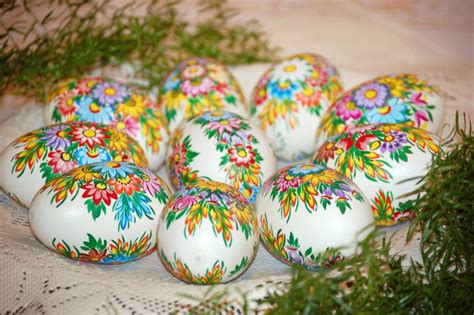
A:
(198, 85)
(380, 159)
(306, 211)
(104, 212)
(207, 233)
(290, 99)
(102, 100)
(392, 99)
(46, 153)
(220, 146)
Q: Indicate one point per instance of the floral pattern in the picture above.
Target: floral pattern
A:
(198, 85)
(303, 81)
(373, 152)
(125, 189)
(306, 184)
(219, 203)
(57, 149)
(390, 99)
(96, 250)
(212, 275)
(241, 160)
(288, 250)
(102, 100)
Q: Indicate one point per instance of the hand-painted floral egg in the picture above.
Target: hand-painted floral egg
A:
(104, 212)
(102, 100)
(307, 211)
(290, 99)
(46, 153)
(391, 99)
(197, 85)
(380, 158)
(220, 146)
(207, 233)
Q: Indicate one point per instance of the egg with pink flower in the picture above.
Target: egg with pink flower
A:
(289, 101)
(386, 161)
(103, 100)
(220, 146)
(197, 85)
(391, 99)
(45, 153)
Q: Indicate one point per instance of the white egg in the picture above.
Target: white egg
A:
(289, 101)
(197, 85)
(220, 146)
(307, 211)
(390, 99)
(102, 100)
(103, 213)
(380, 159)
(45, 153)
(207, 233)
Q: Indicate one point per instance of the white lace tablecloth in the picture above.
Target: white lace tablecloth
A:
(36, 280)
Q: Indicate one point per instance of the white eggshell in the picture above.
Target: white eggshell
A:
(45, 153)
(306, 209)
(220, 146)
(379, 159)
(289, 101)
(102, 100)
(103, 213)
(390, 99)
(197, 85)
(207, 233)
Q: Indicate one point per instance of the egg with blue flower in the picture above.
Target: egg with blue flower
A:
(289, 101)
(220, 146)
(105, 213)
(386, 161)
(312, 215)
(103, 100)
(45, 153)
(197, 85)
(390, 99)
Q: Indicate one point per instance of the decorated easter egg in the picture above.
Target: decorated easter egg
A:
(220, 146)
(312, 215)
(207, 233)
(391, 99)
(198, 85)
(102, 100)
(289, 101)
(104, 212)
(380, 159)
(46, 153)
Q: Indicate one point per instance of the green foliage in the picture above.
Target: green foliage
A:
(376, 282)
(76, 36)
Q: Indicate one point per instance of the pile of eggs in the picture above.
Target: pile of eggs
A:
(88, 177)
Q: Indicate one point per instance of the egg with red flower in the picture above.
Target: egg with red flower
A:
(289, 101)
(45, 153)
(104, 212)
(103, 100)
(220, 146)
(386, 161)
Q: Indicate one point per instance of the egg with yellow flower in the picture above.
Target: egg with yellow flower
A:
(220, 146)
(207, 233)
(311, 215)
(289, 101)
(386, 161)
(197, 85)
(390, 99)
(102, 100)
(45, 153)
